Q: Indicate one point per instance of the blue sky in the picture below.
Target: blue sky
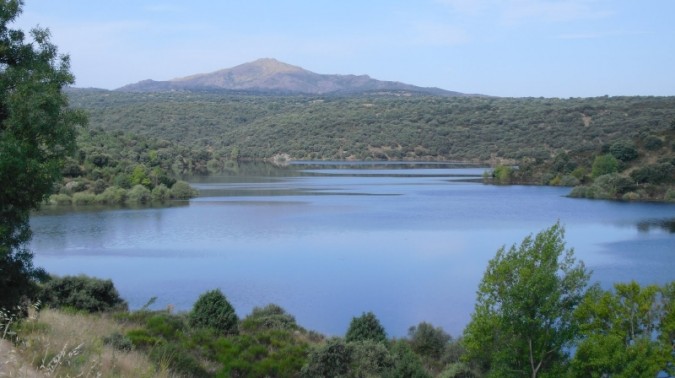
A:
(515, 48)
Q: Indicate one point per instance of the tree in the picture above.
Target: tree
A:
(523, 319)
(37, 133)
(366, 327)
(604, 164)
(212, 310)
(618, 328)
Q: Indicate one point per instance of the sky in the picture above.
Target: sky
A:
(509, 48)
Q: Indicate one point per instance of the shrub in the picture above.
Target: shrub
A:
(406, 363)
(82, 293)
(653, 143)
(212, 310)
(330, 360)
(428, 341)
(370, 359)
(604, 164)
(623, 150)
(113, 195)
(182, 190)
(60, 199)
(118, 341)
(365, 327)
(84, 198)
(139, 194)
(160, 193)
(269, 317)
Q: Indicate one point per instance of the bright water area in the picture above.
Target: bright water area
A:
(327, 242)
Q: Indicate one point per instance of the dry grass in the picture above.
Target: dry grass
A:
(59, 344)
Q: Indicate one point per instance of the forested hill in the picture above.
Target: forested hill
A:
(377, 126)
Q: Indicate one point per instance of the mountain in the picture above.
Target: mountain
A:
(271, 75)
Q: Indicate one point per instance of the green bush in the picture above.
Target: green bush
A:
(330, 360)
(60, 199)
(604, 164)
(82, 293)
(113, 195)
(365, 327)
(139, 194)
(182, 190)
(269, 317)
(161, 193)
(428, 341)
(212, 310)
(406, 363)
(623, 150)
(84, 198)
(178, 359)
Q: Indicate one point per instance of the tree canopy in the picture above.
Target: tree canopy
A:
(37, 132)
(523, 319)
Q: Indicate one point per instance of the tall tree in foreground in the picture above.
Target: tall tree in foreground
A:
(523, 320)
(37, 131)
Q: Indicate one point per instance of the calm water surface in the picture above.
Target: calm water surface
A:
(328, 242)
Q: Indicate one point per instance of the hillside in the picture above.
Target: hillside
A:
(271, 75)
(378, 127)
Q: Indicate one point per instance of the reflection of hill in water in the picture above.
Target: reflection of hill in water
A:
(667, 225)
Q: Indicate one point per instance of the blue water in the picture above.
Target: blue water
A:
(408, 242)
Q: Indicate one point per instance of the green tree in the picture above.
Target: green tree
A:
(212, 310)
(523, 319)
(37, 133)
(366, 327)
(604, 164)
(618, 328)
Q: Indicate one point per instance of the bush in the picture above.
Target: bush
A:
(113, 195)
(82, 293)
(406, 363)
(161, 193)
(428, 341)
(84, 198)
(268, 317)
(212, 310)
(139, 194)
(182, 190)
(366, 327)
(623, 150)
(604, 164)
(60, 199)
(330, 360)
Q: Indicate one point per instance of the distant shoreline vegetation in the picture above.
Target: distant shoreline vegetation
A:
(150, 139)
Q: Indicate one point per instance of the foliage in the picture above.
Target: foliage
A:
(523, 318)
(617, 332)
(330, 360)
(604, 165)
(240, 126)
(37, 132)
(269, 317)
(81, 293)
(212, 310)
(365, 327)
(623, 150)
(427, 340)
(406, 363)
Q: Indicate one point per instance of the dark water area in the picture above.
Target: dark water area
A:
(328, 241)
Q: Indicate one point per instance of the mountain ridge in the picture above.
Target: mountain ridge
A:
(271, 75)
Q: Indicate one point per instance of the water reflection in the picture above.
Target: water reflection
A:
(408, 242)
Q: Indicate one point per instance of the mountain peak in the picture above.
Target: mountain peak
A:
(271, 75)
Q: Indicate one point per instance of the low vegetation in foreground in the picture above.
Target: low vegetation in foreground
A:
(535, 315)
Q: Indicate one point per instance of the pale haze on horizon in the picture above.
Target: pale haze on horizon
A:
(511, 48)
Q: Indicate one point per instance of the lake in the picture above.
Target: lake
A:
(327, 242)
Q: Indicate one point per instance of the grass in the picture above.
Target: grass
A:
(66, 344)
